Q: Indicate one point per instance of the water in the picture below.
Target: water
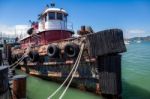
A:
(136, 71)
(41, 89)
(135, 75)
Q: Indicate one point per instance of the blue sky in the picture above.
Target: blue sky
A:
(133, 16)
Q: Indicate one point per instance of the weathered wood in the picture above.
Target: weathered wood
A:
(105, 42)
(3, 79)
(109, 68)
(19, 87)
(1, 60)
(4, 86)
(6, 95)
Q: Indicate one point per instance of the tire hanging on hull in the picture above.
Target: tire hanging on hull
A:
(34, 56)
(53, 51)
(71, 50)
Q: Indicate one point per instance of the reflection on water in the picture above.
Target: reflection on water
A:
(134, 92)
(40, 89)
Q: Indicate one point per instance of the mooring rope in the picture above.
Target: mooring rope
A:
(25, 54)
(21, 59)
(74, 67)
(80, 54)
(15, 63)
(18, 63)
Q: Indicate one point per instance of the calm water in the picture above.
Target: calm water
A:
(136, 71)
(135, 75)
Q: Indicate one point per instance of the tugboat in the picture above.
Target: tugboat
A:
(52, 51)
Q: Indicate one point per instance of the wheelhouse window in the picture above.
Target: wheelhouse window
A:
(45, 17)
(65, 17)
(59, 16)
(51, 15)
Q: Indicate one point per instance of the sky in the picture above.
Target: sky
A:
(132, 16)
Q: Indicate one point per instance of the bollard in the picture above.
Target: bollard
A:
(19, 87)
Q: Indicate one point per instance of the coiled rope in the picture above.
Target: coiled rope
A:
(74, 67)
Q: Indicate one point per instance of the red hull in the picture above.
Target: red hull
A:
(45, 37)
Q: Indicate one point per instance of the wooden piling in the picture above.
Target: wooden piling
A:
(6, 95)
(19, 87)
(1, 57)
(4, 85)
(109, 68)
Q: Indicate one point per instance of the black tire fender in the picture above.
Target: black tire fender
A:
(71, 50)
(53, 51)
(34, 56)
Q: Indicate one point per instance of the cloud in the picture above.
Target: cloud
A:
(129, 33)
(135, 31)
(7, 30)
(15, 30)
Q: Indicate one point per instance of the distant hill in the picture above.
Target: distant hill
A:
(139, 38)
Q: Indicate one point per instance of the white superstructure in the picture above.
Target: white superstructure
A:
(53, 19)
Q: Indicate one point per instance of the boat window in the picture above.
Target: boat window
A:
(59, 16)
(65, 17)
(45, 17)
(51, 15)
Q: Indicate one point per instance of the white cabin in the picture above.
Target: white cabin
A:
(53, 19)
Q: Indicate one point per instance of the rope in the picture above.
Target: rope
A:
(16, 61)
(21, 59)
(66, 78)
(64, 81)
(80, 54)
